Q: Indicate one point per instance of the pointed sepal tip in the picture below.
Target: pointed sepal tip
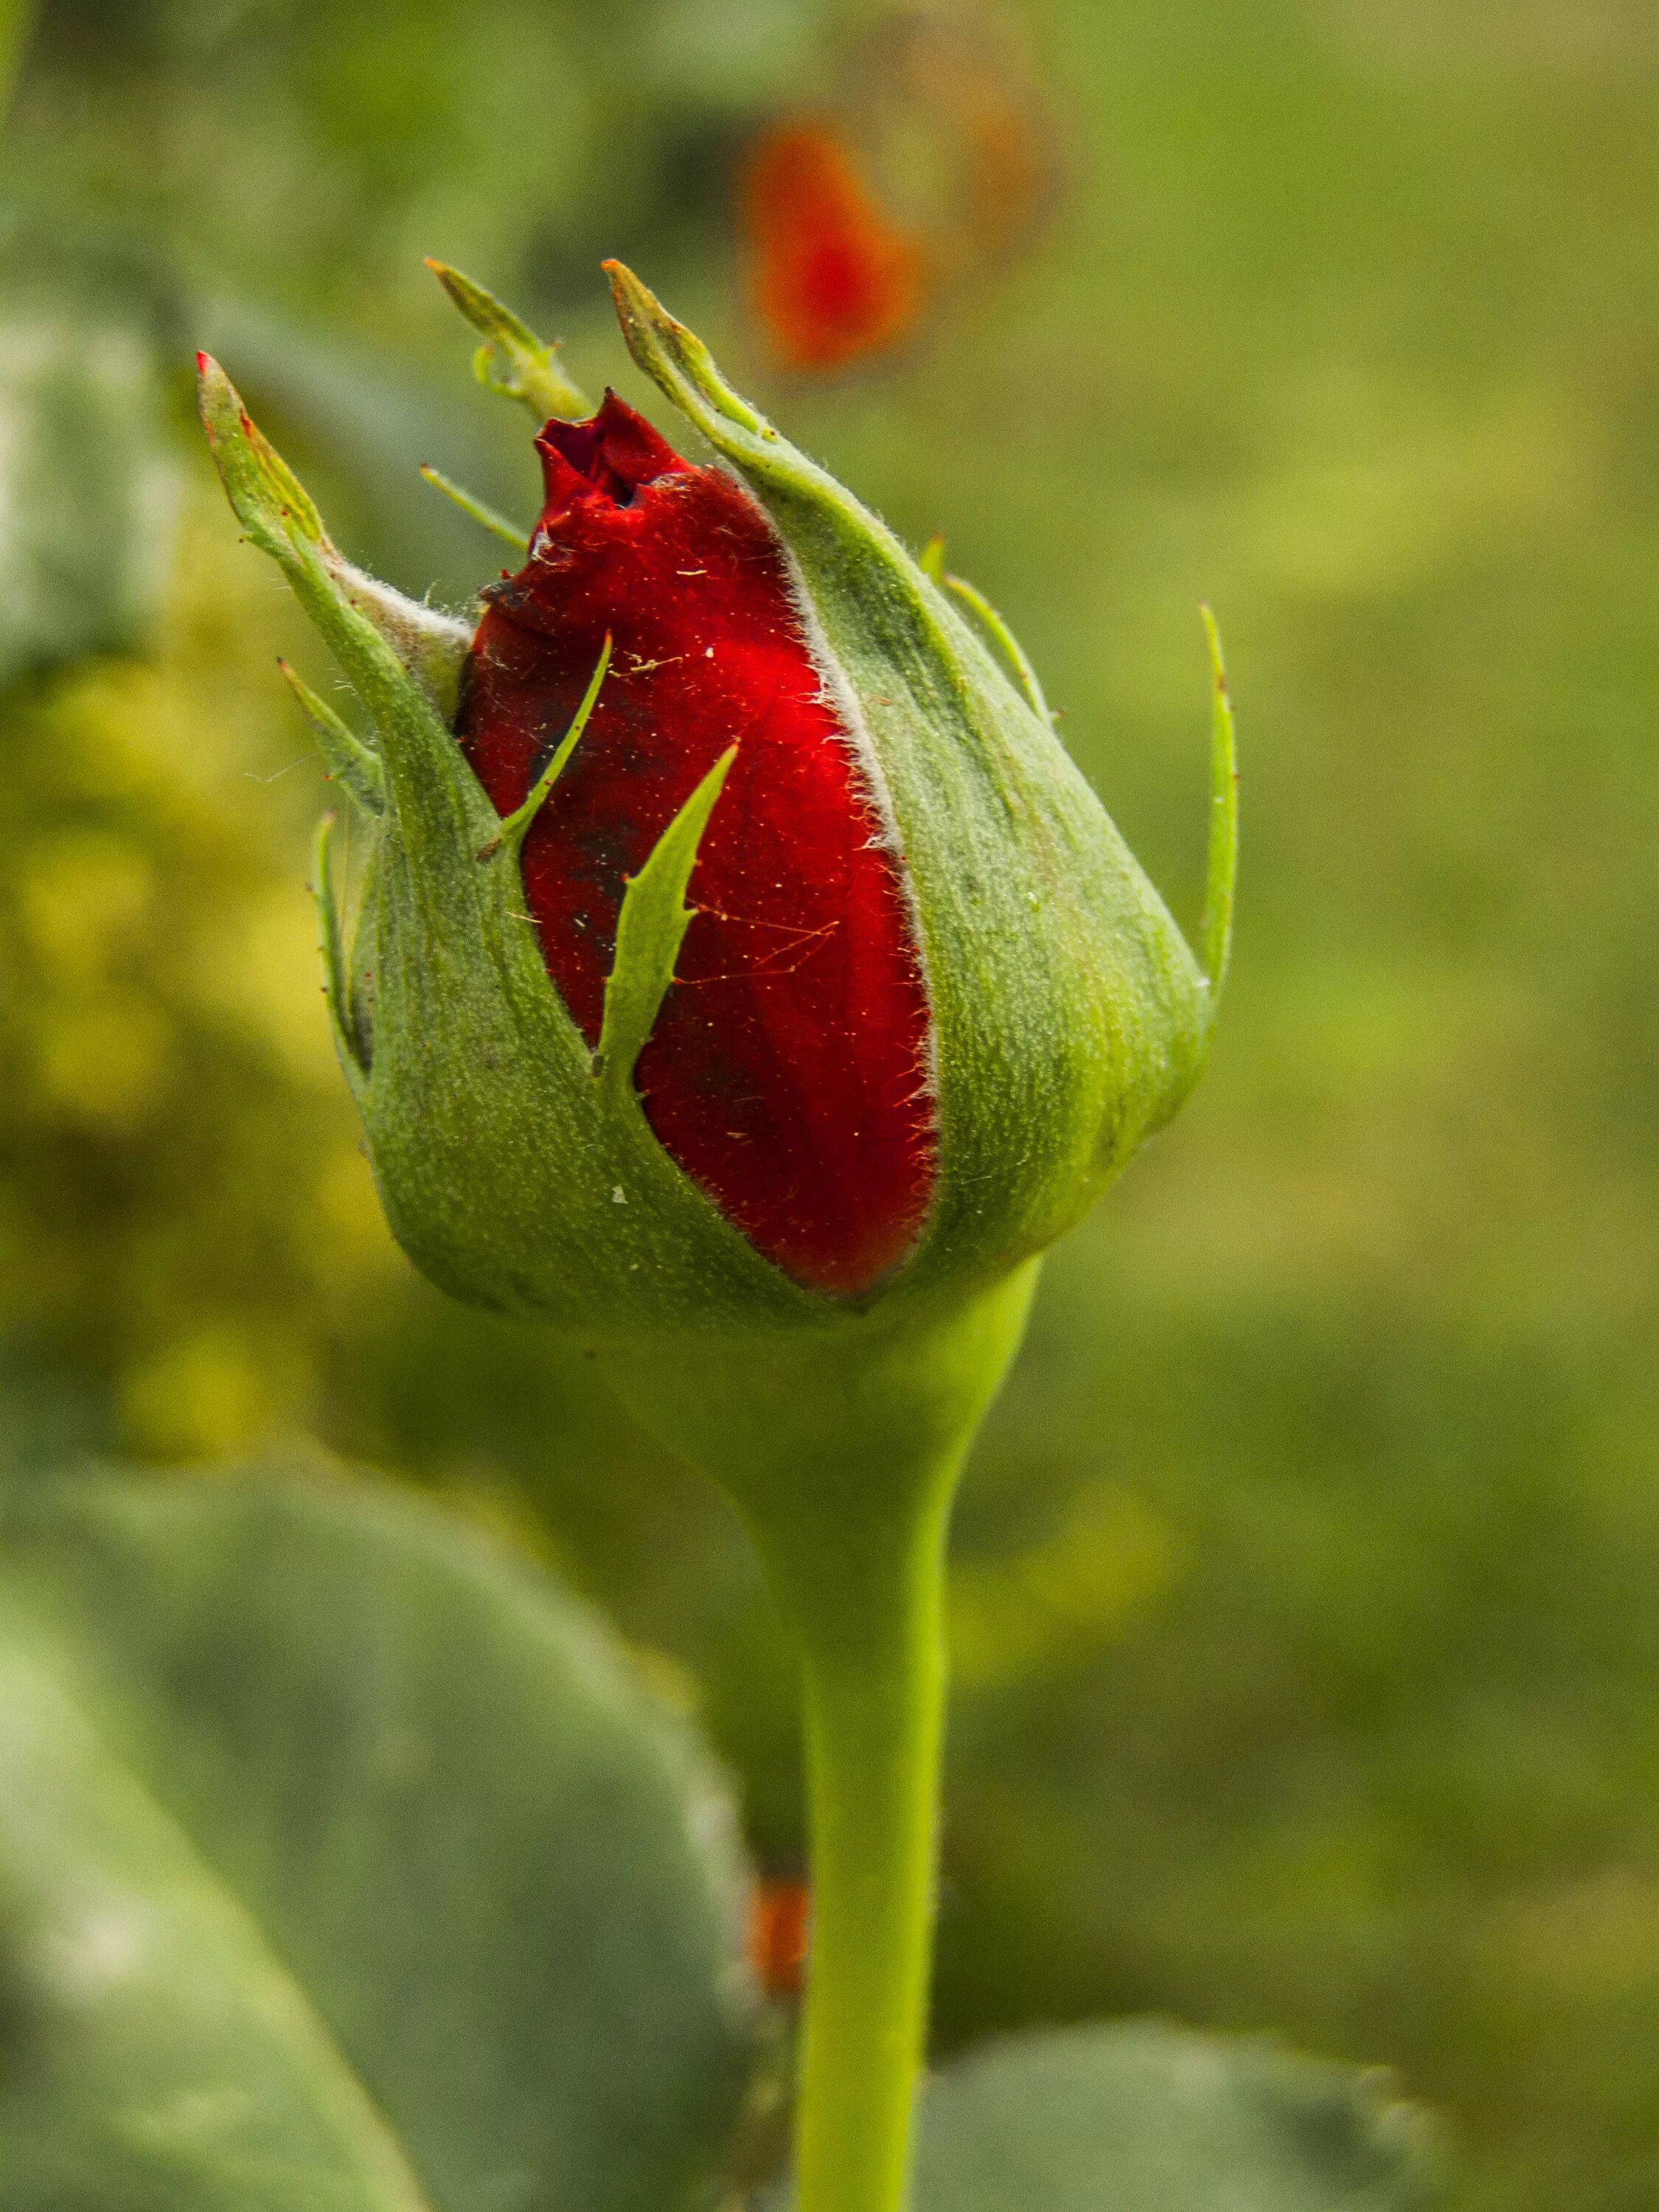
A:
(512, 360)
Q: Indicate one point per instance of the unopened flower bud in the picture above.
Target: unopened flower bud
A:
(738, 947)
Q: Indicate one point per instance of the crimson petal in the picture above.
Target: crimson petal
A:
(789, 1070)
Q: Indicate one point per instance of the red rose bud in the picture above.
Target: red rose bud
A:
(743, 952)
(788, 1071)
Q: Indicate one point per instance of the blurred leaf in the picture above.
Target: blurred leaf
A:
(343, 1864)
(1143, 2116)
(85, 481)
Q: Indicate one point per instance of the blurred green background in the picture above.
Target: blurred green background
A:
(1305, 1608)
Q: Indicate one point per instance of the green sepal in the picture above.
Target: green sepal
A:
(652, 923)
(515, 827)
(498, 1155)
(1025, 674)
(495, 1152)
(347, 760)
(1067, 1005)
(512, 360)
(349, 1044)
(930, 562)
(479, 510)
(382, 639)
(430, 645)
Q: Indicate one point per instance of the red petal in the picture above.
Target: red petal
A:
(789, 1070)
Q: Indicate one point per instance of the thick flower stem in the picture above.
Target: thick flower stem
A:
(842, 1451)
(868, 1626)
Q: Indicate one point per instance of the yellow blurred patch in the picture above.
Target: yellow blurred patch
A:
(107, 1062)
(348, 1230)
(213, 1392)
(262, 975)
(81, 895)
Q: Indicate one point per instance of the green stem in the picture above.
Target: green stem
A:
(843, 1450)
(869, 1627)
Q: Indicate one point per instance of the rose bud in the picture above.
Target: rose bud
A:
(736, 946)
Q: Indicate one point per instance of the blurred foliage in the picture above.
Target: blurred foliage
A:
(1306, 1602)
(84, 528)
(307, 1788)
(184, 1203)
(258, 1854)
(1179, 2123)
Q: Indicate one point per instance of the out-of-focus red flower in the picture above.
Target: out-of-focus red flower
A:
(938, 160)
(833, 278)
(788, 1072)
(779, 1918)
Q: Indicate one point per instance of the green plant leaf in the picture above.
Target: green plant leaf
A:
(1140, 2116)
(344, 1867)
